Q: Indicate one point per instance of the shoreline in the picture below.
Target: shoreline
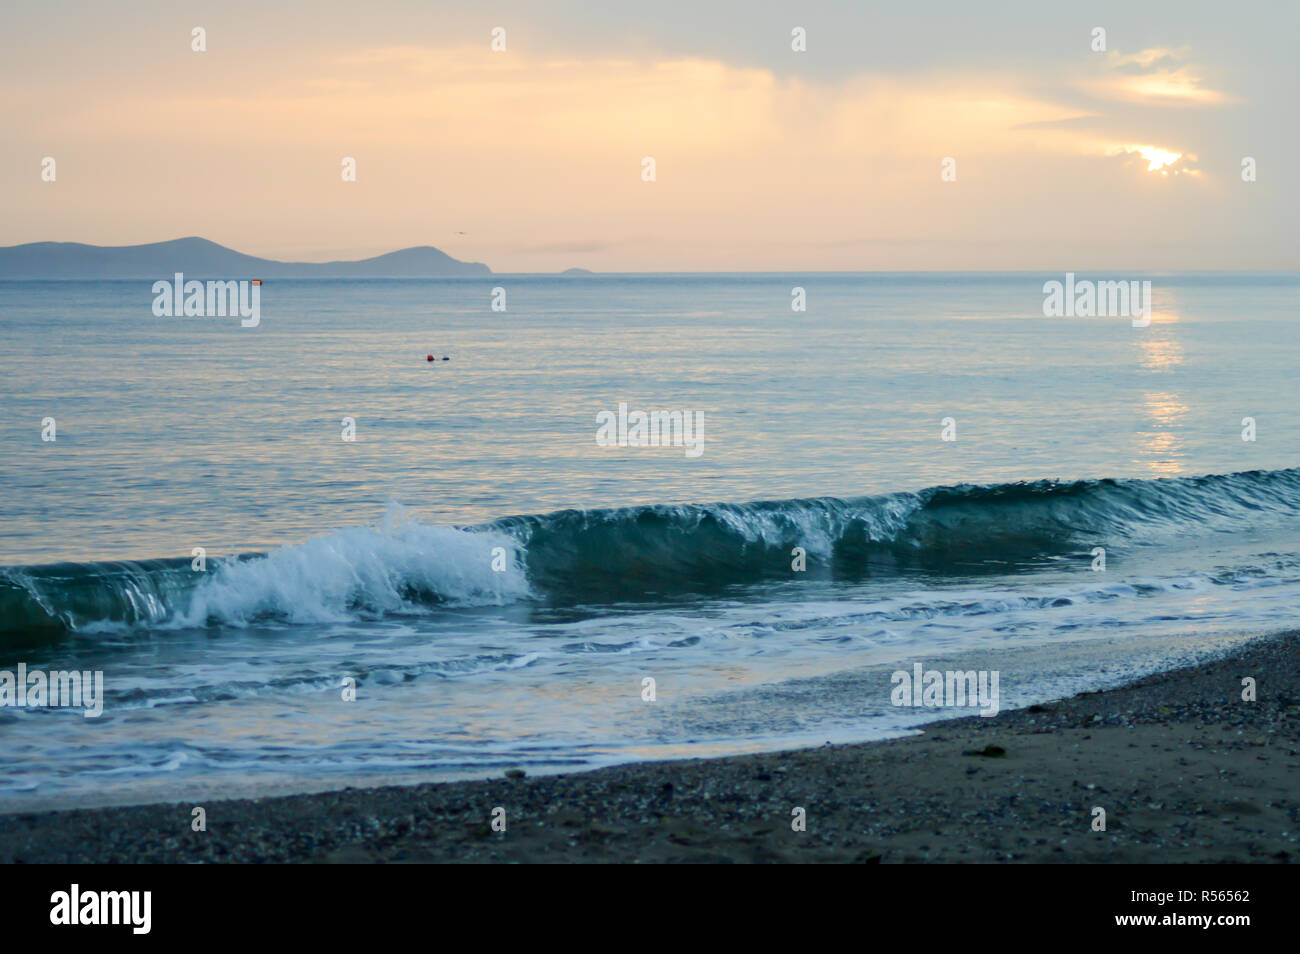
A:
(1185, 770)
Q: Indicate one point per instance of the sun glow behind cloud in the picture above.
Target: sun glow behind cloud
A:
(1158, 160)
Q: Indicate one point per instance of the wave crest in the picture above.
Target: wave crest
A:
(646, 551)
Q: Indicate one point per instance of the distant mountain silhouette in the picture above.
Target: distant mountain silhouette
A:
(198, 258)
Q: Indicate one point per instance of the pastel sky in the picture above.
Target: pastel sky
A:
(765, 158)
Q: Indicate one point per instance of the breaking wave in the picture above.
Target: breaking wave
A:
(638, 552)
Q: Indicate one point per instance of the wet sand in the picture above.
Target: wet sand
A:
(1185, 770)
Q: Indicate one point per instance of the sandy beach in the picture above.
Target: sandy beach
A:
(1185, 770)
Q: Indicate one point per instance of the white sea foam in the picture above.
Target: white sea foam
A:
(399, 566)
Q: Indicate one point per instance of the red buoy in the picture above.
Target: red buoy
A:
(431, 358)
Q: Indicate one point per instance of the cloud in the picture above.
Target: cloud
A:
(1070, 122)
(1155, 76)
(539, 159)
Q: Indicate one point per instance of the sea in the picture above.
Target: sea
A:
(301, 555)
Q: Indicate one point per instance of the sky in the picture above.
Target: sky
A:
(532, 158)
